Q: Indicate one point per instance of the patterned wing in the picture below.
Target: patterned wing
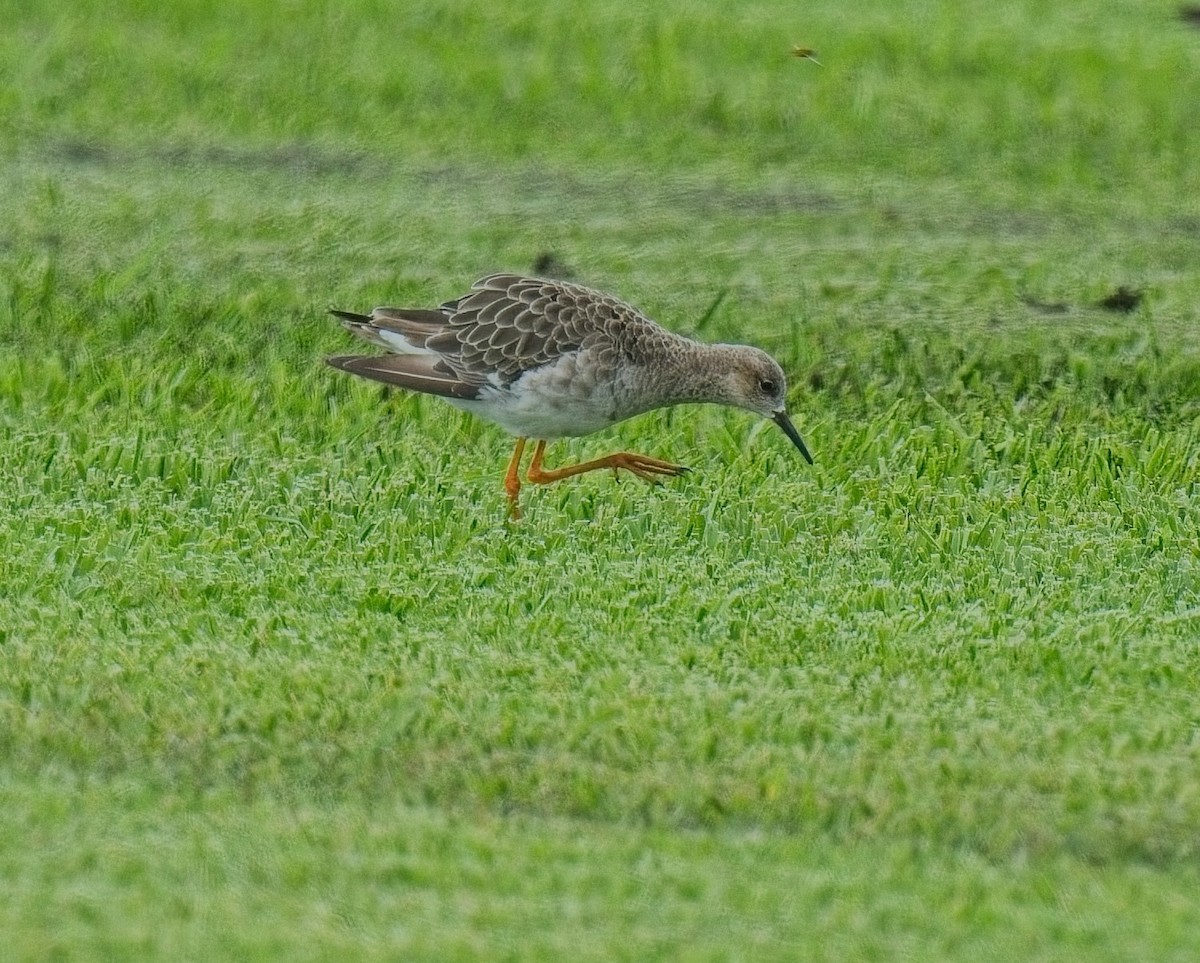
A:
(508, 324)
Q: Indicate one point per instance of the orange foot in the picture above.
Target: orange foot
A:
(651, 470)
(646, 468)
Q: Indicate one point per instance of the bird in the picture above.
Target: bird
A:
(547, 359)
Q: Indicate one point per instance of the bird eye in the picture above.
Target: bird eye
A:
(767, 386)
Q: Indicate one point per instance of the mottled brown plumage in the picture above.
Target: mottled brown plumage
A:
(547, 359)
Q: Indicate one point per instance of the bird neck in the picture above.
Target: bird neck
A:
(696, 372)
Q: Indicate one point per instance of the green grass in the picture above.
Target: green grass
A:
(277, 680)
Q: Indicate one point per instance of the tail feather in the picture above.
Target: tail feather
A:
(404, 330)
(351, 316)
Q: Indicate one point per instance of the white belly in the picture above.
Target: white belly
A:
(528, 417)
(562, 401)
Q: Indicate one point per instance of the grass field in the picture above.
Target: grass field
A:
(278, 681)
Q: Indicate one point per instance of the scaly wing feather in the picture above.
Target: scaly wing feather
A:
(504, 326)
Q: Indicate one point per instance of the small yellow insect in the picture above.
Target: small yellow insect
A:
(806, 53)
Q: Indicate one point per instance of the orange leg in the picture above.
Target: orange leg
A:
(646, 468)
(512, 480)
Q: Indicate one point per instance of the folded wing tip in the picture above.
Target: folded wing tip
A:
(416, 373)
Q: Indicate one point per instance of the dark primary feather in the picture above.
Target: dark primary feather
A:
(414, 372)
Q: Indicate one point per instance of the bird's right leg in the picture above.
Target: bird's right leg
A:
(512, 480)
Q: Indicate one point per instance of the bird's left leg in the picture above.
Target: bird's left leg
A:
(646, 468)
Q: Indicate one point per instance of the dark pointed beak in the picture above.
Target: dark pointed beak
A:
(784, 422)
